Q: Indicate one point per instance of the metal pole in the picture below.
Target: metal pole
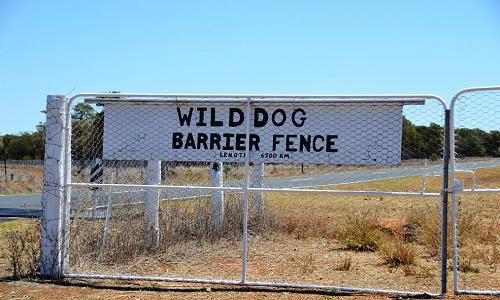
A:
(454, 241)
(444, 202)
(67, 189)
(245, 198)
(254, 283)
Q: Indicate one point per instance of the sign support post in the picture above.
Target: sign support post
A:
(217, 179)
(152, 204)
(258, 182)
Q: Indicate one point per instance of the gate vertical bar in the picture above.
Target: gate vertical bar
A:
(67, 190)
(444, 202)
(245, 197)
(53, 192)
(454, 245)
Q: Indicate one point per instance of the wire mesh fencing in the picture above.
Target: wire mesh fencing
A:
(367, 219)
(476, 194)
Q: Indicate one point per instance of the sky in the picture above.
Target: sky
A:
(254, 47)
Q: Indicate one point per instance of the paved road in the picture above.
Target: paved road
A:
(30, 204)
(26, 205)
(361, 176)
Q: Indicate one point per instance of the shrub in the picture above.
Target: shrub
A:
(426, 229)
(307, 264)
(417, 271)
(360, 232)
(425, 225)
(23, 251)
(465, 265)
(397, 253)
(344, 264)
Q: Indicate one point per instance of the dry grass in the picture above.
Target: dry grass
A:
(344, 263)
(465, 265)
(234, 172)
(21, 248)
(397, 252)
(182, 224)
(304, 227)
(25, 180)
(307, 264)
(360, 232)
(486, 178)
(417, 271)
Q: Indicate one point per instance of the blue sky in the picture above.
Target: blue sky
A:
(302, 47)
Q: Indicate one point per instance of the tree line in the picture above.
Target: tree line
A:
(418, 141)
(23, 146)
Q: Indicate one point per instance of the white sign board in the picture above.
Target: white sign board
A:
(364, 133)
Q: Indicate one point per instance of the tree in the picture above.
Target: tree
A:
(492, 143)
(82, 112)
(2, 148)
(6, 140)
(87, 133)
(433, 137)
(411, 141)
(470, 142)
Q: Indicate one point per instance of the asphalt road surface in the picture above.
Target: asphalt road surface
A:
(29, 205)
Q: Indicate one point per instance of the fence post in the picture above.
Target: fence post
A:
(53, 193)
(258, 182)
(244, 242)
(152, 204)
(217, 180)
(444, 202)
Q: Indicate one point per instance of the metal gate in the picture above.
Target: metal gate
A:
(101, 198)
(476, 125)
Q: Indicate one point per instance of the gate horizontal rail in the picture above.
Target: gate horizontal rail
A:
(241, 189)
(249, 283)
